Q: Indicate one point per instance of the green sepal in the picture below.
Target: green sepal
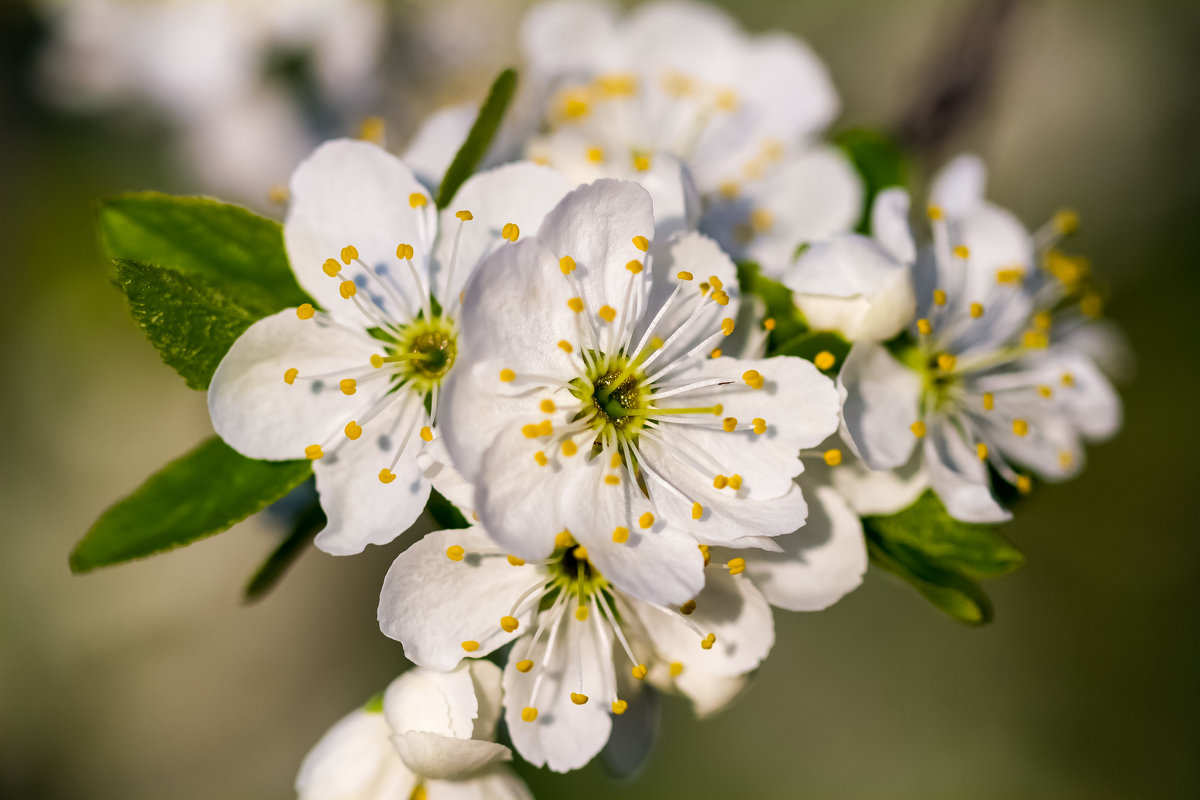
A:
(491, 113)
(445, 513)
(789, 322)
(878, 160)
(307, 525)
(808, 345)
(204, 492)
(956, 595)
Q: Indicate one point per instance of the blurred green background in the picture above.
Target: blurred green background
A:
(153, 680)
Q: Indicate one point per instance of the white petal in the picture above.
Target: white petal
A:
(434, 461)
(880, 492)
(959, 477)
(789, 82)
(635, 731)
(1094, 406)
(564, 736)
(261, 416)
(432, 604)
(567, 36)
(489, 694)
(729, 607)
(889, 224)
(703, 257)
(495, 783)
(436, 142)
(959, 186)
(879, 404)
(360, 508)
(352, 760)
(710, 693)
(820, 563)
(521, 193)
(445, 757)
(351, 192)
(434, 702)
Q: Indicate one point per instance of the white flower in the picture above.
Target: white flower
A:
(586, 400)
(355, 386)
(455, 594)
(980, 387)
(858, 286)
(428, 737)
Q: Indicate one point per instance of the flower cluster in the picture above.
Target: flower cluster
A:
(649, 450)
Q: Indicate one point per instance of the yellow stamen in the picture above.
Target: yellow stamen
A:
(524, 665)
(348, 385)
(963, 252)
(306, 311)
(607, 313)
(516, 562)
(736, 566)
(833, 457)
(510, 231)
(716, 353)
(612, 480)
(529, 713)
(634, 266)
(729, 424)
(769, 323)
(1045, 391)
(313, 452)
(720, 482)
(976, 310)
(639, 672)
(760, 425)
(540, 458)
(455, 552)
(547, 406)
(427, 434)
(684, 275)
(595, 154)
(1066, 221)
(347, 289)
(507, 375)
(464, 215)
(735, 482)
(349, 253)
(641, 163)
(646, 520)
(331, 267)
(641, 243)
(376, 360)
(289, 377)
(946, 362)
(824, 360)
(727, 326)
(566, 346)
(509, 624)
(417, 200)
(1020, 427)
(470, 646)
(704, 552)
(569, 448)
(923, 327)
(620, 534)
(405, 252)
(578, 699)
(708, 641)
(939, 297)
(386, 475)
(353, 430)
(619, 706)
(918, 429)
(575, 304)
(981, 450)
(675, 668)
(1024, 484)
(989, 401)
(567, 265)
(697, 511)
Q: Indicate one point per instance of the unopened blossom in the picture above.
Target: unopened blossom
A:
(979, 385)
(429, 737)
(353, 382)
(592, 397)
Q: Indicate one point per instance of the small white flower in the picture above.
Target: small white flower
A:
(588, 399)
(981, 386)
(355, 386)
(428, 738)
(455, 594)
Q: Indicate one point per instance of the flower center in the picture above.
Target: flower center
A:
(614, 396)
(425, 352)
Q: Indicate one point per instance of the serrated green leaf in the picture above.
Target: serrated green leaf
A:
(808, 345)
(308, 524)
(977, 551)
(445, 513)
(956, 595)
(789, 323)
(199, 494)
(230, 248)
(190, 323)
(878, 160)
(491, 113)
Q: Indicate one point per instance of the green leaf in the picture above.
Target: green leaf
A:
(977, 551)
(480, 138)
(789, 323)
(878, 160)
(308, 524)
(956, 595)
(808, 345)
(190, 323)
(230, 248)
(204, 492)
(445, 513)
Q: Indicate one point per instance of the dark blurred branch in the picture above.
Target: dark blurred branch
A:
(959, 79)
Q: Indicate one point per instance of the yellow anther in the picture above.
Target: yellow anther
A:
(704, 552)
(1045, 391)
(1091, 304)
(464, 215)
(918, 429)
(1066, 221)
(547, 406)
(934, 212)
(569, 448)
(720, 482)
(620, 534)
(470, 646)
(516, 562)
(353, 430)
(545, 428)
(619, 706)
(1042, 320)
(305, 311)
(735, 482)
(417, 200)
(509, 624)
(578, 699)
(331, 267)
(540, 458)
(769, 324)
(639, 672)
(510, 231)
(348, 385)
(716, 352)
(530, 431)
(729, 424)
(708, 641)
(825, 360)
(405, 251)
(981, 450)
(1065, 459)
(715, 282)
(581, 613)
(641, 163)
(347, 289)
(634, 266)
(575, 304)
(372, 130)
(1020, 427)
(349, 253)
(427, 433)
(567, 265)
(760, 425)
(923, 327)
(641, 243)
(1068, 379)
(962, 251)
(946, 362)
(614, 460)
(278, 195)
(675, 668)
(289, 377)
(833, 457)
(684, 275)
(617, 84)
(376, 360)
(1024, 484)
(386, 475)
(507, 375)
(729, 190)
(564, 539)
(595, 155)
(727, 326)
(607, 313)
(726, 100)
(976, 310)
(720, 297)
(313, 452)
(939, 297)
(989, 401)
(646, 520)
(1034, 340)
(697, 511)
(1010, 275)
(688, 608)
(566, 346)
(761, 220)
(524, 665)
(529, 713)
(455, 552)
(612, 480)
(736, 566)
